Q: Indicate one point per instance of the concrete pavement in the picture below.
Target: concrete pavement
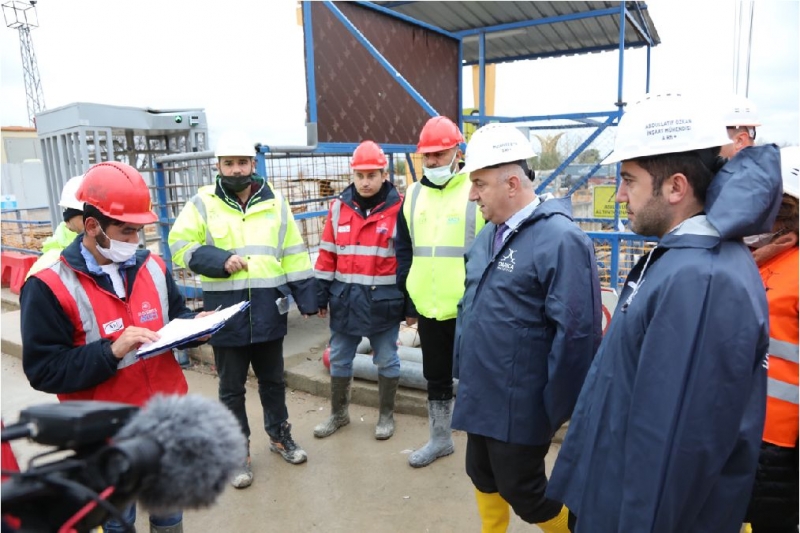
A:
(351, 482)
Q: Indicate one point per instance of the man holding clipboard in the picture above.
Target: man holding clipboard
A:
(84, 317)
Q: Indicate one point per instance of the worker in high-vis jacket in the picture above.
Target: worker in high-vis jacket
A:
(240, 237)
(66, 231)
(666, 431)
(356, 278)
(528, 327)
(435, 228)
(774, 504)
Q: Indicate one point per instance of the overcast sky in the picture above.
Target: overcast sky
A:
(242, 61)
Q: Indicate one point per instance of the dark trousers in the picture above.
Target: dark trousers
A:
(437, 339)
(516, 471)
(267, 360)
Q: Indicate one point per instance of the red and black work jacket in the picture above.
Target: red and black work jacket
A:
(357, 269)
(71, 315)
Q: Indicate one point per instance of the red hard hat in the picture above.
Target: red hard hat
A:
(438, 134)
(368, 156)
(118, 191)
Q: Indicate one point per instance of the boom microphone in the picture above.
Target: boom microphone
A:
(201, 445)
(177, 452)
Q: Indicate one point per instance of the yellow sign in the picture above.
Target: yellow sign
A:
(604, 200)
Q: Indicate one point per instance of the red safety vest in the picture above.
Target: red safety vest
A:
(98, 314)
(359, 250)
(780, 275)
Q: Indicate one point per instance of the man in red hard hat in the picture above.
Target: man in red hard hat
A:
(84, 317)
(435, 228)
(356, 278)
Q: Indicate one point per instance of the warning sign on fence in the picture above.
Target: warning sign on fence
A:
(603, 202)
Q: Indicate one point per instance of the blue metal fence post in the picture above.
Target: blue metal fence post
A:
(261, 164)
(163, 215)
(482, 78)
(614, 270)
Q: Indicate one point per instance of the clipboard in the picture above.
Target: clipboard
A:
(184, 330)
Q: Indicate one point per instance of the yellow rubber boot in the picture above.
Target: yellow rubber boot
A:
(494, 512)
(747, 528)
(557, 524)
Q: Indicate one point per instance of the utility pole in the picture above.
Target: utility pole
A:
(21, 16)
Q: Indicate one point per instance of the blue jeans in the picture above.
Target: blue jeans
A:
(129, 514)
(384, 346)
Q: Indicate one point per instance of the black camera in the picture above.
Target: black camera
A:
(93, 482)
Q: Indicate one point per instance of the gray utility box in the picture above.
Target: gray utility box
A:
(75, 136)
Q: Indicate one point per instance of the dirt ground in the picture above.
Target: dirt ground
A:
(351, 482)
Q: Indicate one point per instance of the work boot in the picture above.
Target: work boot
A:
(440, 413)
(494, 511)
(340, 417)
(557, 524)
(243, 476)
(285, 445)
(387, 390)
(177, 528)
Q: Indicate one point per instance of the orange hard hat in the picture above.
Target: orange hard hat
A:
(367, 156)
(438, 134)
(118, 191)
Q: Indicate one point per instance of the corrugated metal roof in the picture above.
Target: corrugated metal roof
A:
(564, 28)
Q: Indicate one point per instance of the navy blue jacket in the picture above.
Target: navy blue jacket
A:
(262, 321)
(356, 308)
(666, 433)
(528, 326)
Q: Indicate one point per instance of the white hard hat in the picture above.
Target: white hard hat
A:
(790, 170)
(740, 111)
(68, 199)
(494, 144)
(235, 143)
(667, 123)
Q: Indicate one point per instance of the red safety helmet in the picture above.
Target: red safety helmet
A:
(438, 134)
(368, 156)
(118, 191)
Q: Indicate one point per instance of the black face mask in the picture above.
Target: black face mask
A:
(235, 183)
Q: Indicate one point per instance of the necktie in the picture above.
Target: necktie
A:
(498, 237)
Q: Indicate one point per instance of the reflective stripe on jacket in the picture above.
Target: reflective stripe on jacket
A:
(52, 248)
(442, 224)
(97, 314)
(356, 266)
(212, 227)
(780, 275)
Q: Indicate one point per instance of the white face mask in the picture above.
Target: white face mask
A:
(762, 239)
(441, 175)
(119, 252)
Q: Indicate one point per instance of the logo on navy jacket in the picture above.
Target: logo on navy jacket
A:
(147, 314)
(507, 262)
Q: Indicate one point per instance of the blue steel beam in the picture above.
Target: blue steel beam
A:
(564, 116)
(406, 18)
(481, 79)
(559, 53)
(311, 83)
(639, 29)
(574, 155)
(537, 22)
(645, 25)
(460, 84)
(585, 178)
(382, 60)
(620, 103)
(163, 215)
(411, 167)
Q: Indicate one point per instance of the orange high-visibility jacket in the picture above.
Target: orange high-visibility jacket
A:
(780, 277)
